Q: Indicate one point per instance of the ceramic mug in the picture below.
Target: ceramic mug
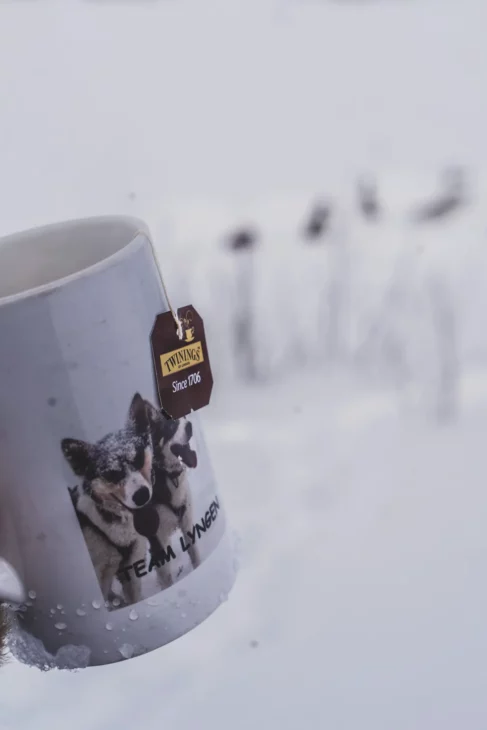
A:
(111, 526)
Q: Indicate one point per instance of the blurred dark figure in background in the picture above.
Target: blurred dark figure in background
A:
(243, 243)
(243, 239)
(368, 199)
(318, 222)
(452, 197)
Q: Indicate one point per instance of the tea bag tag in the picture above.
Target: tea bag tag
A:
(181, 363)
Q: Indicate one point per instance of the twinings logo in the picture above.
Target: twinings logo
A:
(184, 357)
(187, 322)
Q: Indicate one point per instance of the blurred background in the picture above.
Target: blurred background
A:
(313, 173)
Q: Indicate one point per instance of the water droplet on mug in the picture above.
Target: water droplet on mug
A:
(183, 615)
(105, 651)
(116, 602)
(96, 604)
(152, 602)
(63, 612)
(133, 615)
(60, 626)
(127, 651)
(29, 603)
(59, 606)
(108, 627)
(52, 611)
(80, 612)
(32, 594)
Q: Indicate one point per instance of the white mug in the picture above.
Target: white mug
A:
(110, 520)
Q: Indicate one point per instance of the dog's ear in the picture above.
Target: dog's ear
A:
(74, 494)
(154, 414)
(138, 418)
(78, 455)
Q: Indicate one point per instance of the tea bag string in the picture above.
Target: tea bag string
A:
(179, 326)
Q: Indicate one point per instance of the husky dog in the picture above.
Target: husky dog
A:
(117, 480)
(171, 495)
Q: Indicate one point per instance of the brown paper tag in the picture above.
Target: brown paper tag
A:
(182, 366)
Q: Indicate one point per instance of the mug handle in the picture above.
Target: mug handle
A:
(12, 588)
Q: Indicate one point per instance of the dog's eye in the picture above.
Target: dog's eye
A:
(139, 460)
(113, 476)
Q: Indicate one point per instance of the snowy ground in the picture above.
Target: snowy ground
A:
(361, 601)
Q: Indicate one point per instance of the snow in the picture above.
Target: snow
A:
(31, 651)
(360, 510)
(360, 578)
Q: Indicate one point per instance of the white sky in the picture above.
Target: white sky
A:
(228, 98)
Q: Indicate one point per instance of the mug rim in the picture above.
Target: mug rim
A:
(140, 228)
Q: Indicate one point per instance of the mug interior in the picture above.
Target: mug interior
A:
(36, 258)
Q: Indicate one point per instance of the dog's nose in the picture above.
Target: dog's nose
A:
(141, 496)
(189, 430)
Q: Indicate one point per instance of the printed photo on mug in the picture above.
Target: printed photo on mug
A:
(145, 503)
